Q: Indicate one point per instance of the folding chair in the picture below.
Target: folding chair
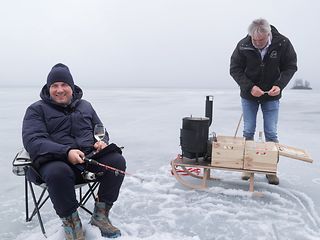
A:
(21, 164)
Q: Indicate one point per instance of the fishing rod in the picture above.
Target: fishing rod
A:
(107, 167)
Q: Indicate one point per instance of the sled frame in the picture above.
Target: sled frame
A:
(185, 163)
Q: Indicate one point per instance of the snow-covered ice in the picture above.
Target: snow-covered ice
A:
(147, 123)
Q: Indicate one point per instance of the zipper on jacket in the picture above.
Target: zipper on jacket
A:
(262, 65)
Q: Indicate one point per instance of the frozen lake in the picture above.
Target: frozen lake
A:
(147, 123)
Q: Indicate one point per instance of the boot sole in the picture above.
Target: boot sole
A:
(106, 234)
(116, 235)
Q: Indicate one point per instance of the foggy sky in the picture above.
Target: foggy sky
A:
(145, 43)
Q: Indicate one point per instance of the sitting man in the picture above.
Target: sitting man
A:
(58, 133)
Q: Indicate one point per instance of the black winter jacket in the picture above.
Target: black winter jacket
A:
(49, 130)
(276, 69)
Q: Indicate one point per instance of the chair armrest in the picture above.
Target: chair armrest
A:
(20, 161)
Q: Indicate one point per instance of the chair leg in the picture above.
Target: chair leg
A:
(83, 199)
(87, 195)
(40, 202)
(26, 197)
(37, 208)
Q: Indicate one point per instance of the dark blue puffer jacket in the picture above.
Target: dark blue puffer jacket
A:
(49, 130)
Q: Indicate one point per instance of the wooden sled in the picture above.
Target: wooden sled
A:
(229, 159)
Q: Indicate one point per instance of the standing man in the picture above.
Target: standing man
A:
(262, 65)
(58, 132)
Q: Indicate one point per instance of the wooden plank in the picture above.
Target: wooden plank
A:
(251, 185)
(186, 162)
(206, 176)
(294, 153)
(261, 156)
(228, 163)
(228, 152)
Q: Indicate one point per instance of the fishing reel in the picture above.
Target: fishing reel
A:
(89, 176)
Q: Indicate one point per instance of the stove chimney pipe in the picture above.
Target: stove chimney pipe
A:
(209, 107)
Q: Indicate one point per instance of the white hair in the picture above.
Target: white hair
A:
(259, 27)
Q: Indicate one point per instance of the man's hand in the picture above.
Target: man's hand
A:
(275, 90)
(75, 156)
(256, 91)
(100, 145)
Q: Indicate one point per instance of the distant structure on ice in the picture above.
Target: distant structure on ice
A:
(300, 84)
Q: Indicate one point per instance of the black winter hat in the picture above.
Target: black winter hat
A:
(60, 73)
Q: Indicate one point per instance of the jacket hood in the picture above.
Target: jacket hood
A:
(76, 96)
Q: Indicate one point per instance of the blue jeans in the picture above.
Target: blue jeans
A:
(270, 111)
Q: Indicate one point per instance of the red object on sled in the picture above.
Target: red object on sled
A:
(190, 169)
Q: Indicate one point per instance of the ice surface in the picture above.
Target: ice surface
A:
(147, 123)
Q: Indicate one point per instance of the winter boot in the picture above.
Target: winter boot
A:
(272, 179)
(72, 227)
(245, 176)
(100, 218)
